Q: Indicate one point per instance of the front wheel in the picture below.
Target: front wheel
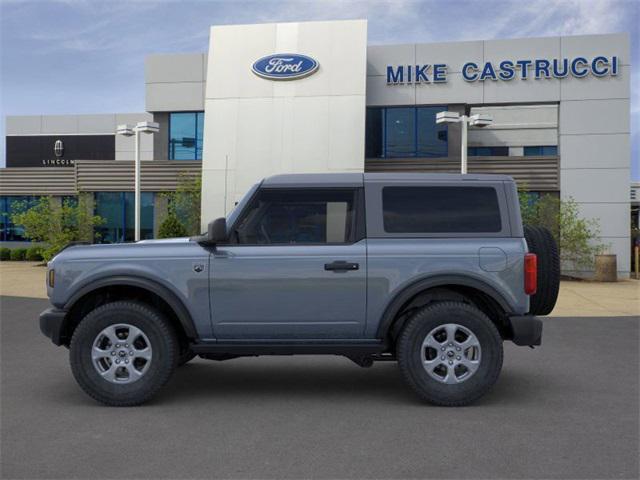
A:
(123, 352)
(450, 353)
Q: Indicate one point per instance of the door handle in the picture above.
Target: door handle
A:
(341, 266)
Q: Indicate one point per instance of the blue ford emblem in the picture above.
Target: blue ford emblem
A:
(284, 66)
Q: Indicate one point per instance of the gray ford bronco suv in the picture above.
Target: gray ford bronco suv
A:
(431, 271)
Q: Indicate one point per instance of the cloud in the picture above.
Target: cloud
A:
(67, 56)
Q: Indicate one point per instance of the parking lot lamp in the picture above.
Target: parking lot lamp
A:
(128, 131)
(477, 120)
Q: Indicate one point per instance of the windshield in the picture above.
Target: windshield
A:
(233, 215)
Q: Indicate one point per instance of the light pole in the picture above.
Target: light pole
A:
(477, 120)
(128, 131)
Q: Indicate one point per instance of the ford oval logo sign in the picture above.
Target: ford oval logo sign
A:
(285, 66)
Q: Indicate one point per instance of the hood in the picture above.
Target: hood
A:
(166, 240)
(120, 250)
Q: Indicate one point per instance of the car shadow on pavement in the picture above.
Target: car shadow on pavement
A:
(383, 383)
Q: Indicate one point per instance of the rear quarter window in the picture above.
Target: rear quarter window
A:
(441, 209)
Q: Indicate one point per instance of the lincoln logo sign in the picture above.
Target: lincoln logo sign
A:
(58, 148)
(505, 70)
(285, 66)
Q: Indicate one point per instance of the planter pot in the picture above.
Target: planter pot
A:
(606, 268)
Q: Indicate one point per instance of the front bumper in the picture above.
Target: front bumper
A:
(52, 322)
(527, 330)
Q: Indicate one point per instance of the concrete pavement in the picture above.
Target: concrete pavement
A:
(568, 409)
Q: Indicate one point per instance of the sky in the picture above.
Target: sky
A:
(87, 56)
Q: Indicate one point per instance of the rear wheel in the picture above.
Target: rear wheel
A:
(123, 352)
(450, 353)
(541, 242)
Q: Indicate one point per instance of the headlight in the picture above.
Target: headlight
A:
(51, 277)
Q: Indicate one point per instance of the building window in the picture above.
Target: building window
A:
(117, 209)
(9, 232)
(541, 151)
(397, 132)
(488, 151)
(185, 135)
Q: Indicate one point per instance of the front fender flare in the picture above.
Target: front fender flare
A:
(176, 304)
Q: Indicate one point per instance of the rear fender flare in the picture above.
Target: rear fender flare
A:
(408, 292)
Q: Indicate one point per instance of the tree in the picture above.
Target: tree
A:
(57, 224)
(184, 203)
(171, 227)
(578, 238)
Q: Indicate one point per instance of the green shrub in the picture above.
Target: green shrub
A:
(18, 254)
(184, 203)
(171, 227)
(56, 224)
(5, 253)
(34, 254)
(578, 238)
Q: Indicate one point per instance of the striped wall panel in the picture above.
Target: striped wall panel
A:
(37, 181)
(536, 173)
(156, 176)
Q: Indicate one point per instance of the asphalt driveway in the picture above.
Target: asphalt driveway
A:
(566, 410)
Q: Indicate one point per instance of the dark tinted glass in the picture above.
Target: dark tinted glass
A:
(432, 137)
(297, 217)
(9, 206)
(440, 210)
(400, 132)
(405, 132)
(373, 133)
(551, 150)
(539, 151)
(488, 151)
(117, 209)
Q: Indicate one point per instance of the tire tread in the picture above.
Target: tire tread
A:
(83, 329)
(409, 331)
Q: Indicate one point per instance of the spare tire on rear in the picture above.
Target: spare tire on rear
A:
(541, 242)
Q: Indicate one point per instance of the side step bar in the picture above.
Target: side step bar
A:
(261, 347)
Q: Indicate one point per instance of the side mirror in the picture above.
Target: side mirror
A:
(217, 231)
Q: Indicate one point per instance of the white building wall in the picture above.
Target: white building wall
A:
(256, 127)
(175, 82)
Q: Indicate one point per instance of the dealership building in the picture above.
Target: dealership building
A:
(314, 97)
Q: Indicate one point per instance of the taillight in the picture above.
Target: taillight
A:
(530, 273)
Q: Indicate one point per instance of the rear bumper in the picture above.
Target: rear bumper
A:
(52, 324)
(527, 330)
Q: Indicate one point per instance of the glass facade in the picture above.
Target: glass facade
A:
(185, 135)
(541, 151)
(117, 209)
(396, 132)
(9, 232)
(488, 151)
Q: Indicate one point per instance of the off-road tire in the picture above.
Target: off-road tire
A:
(185, 356)
(164, 349)
(410, 355)
(541, 242)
